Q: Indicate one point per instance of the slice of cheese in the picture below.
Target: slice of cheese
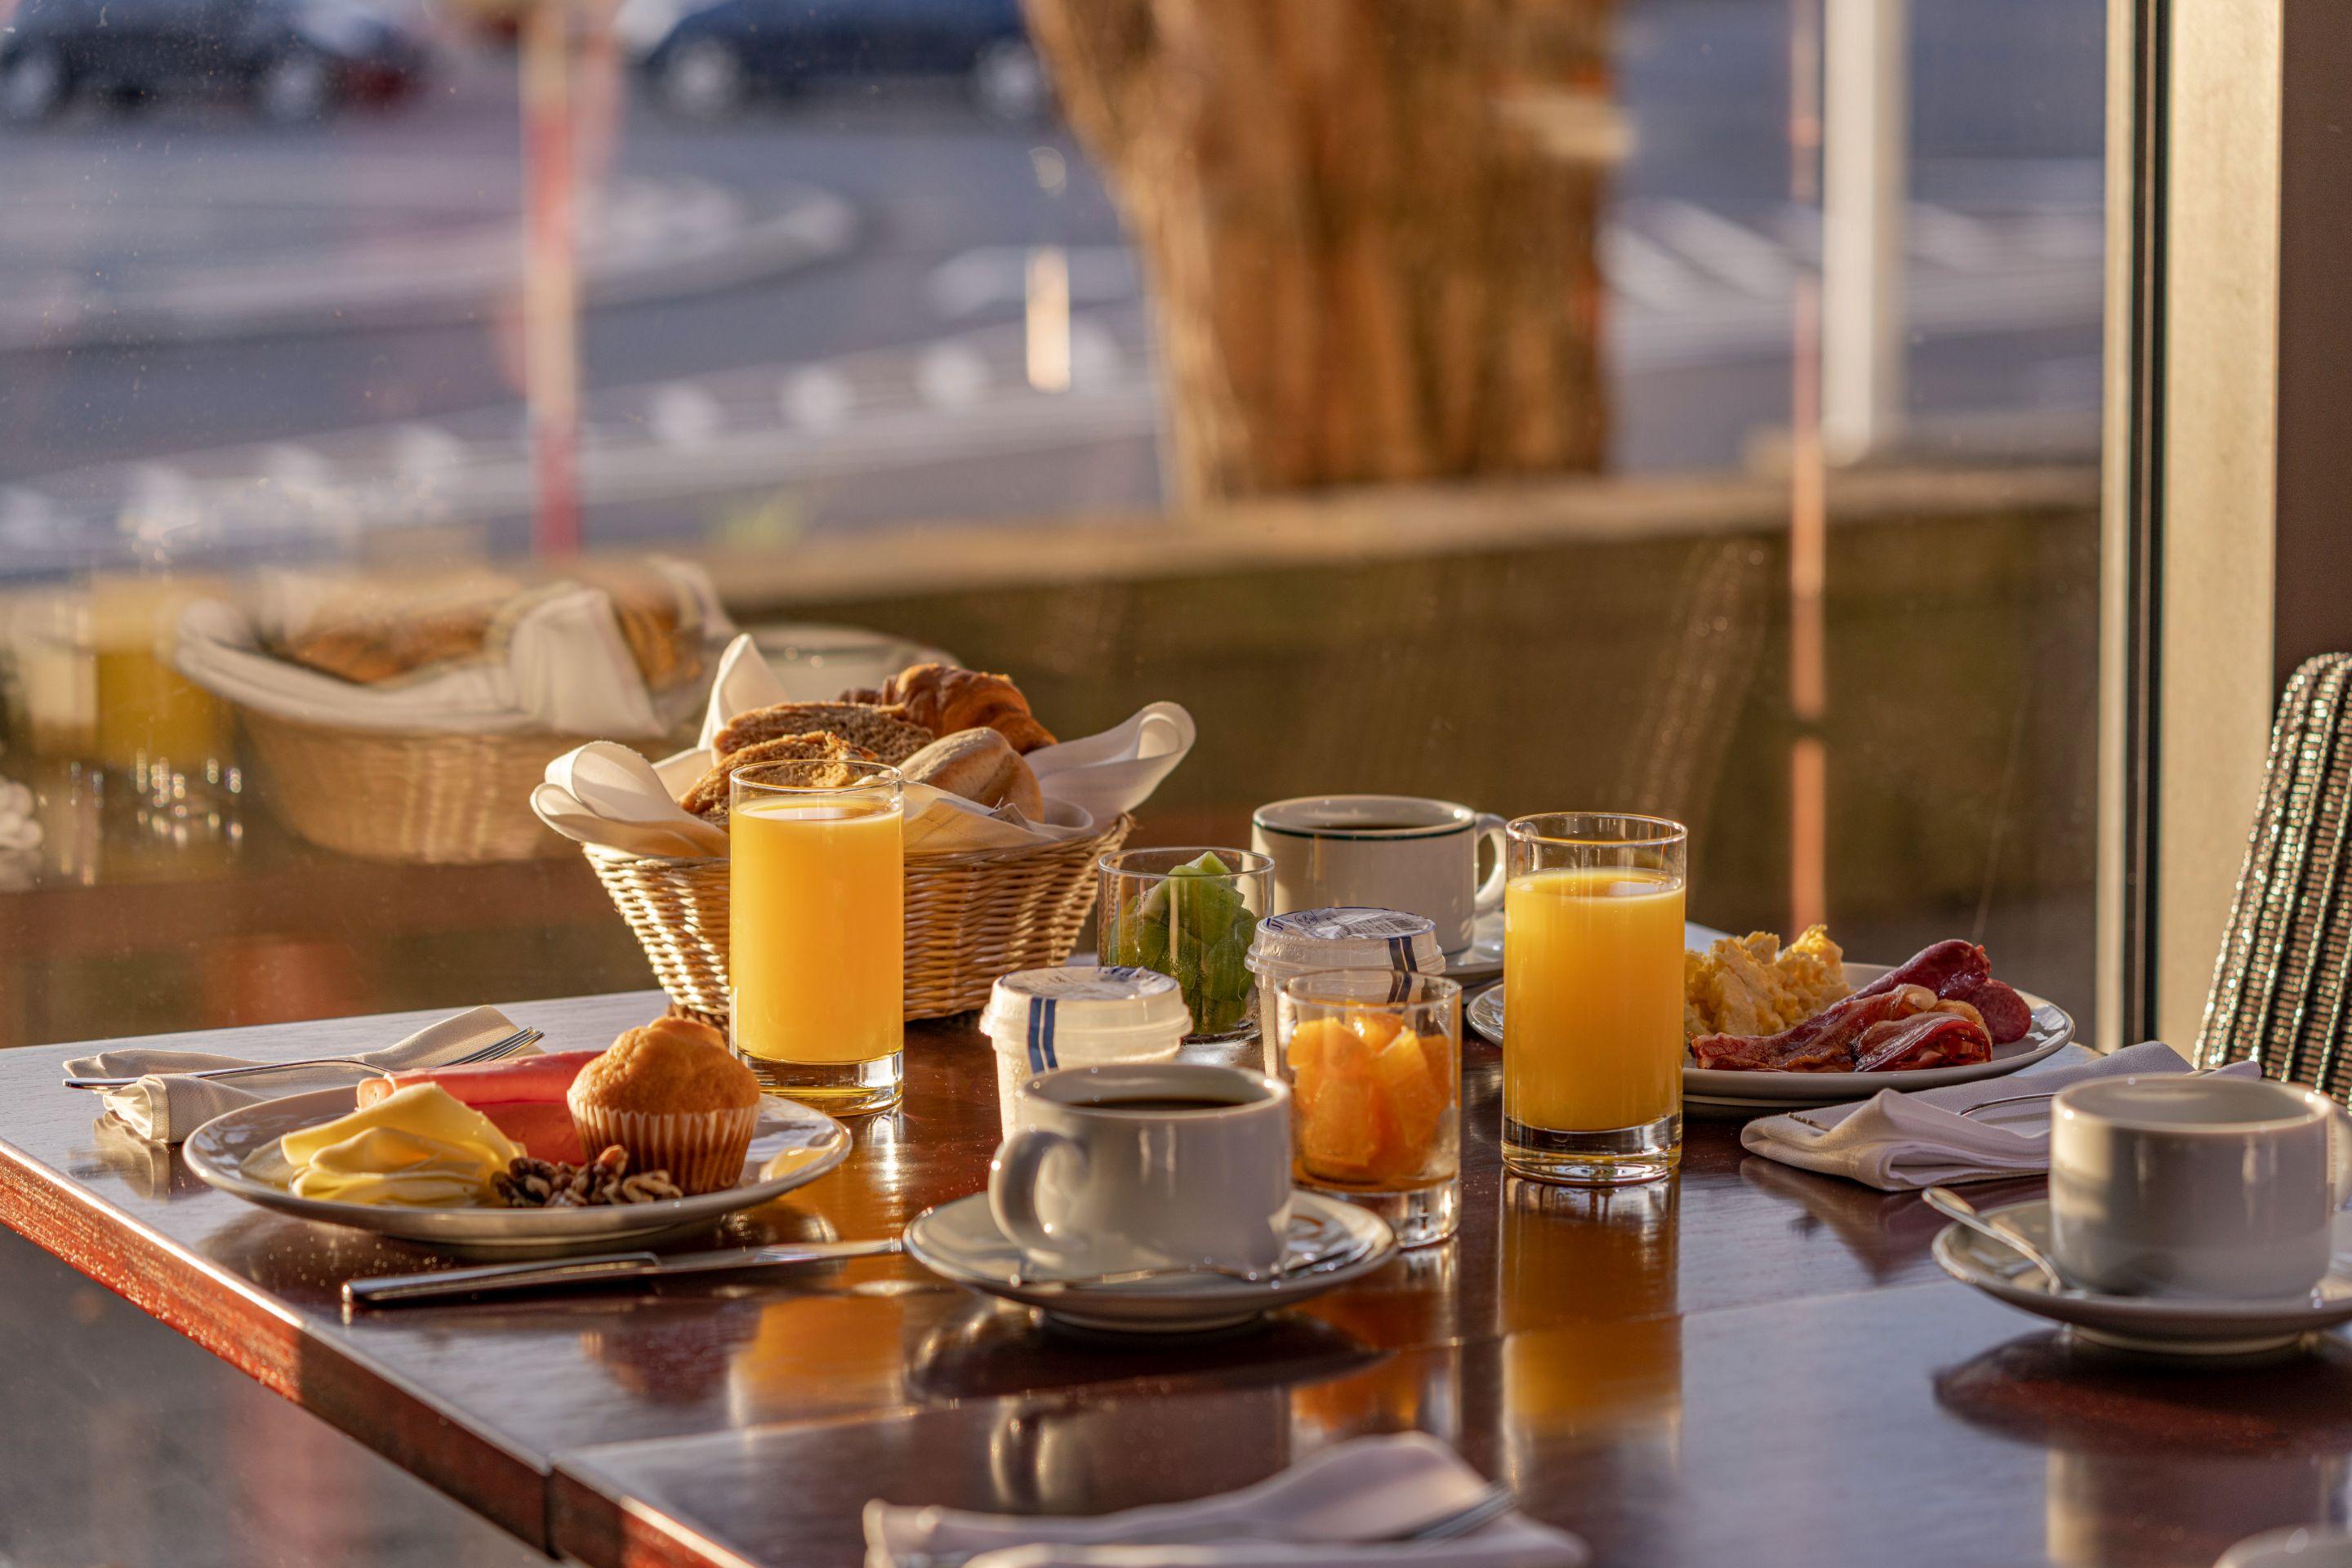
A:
(419, 1146)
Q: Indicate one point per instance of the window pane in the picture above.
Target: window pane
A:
(1676, 405)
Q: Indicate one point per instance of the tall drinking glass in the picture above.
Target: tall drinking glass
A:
(816, 951)
(1592, 997)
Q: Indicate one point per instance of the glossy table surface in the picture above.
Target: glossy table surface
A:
(1745, 1363)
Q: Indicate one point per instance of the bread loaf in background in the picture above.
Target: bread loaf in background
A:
(979, 764)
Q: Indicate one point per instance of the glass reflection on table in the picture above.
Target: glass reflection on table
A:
(1592, 1347)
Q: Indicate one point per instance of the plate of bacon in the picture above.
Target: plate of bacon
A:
(1939, 1018)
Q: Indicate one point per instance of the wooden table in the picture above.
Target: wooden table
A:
(1745, 1364)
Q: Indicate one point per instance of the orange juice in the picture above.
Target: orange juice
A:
(817, 916)
(1593, 999)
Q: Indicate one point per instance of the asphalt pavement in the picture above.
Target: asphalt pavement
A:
(809, 317)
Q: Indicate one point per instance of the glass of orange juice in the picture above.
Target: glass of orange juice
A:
(1592, 997)
(817, 922)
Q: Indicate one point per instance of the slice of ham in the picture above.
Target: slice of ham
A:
(524, 1099)
(1822, 1043)
(1935, 1038)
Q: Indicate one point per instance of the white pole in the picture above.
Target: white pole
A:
(1865, 166)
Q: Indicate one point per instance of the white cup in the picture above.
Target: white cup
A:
(1098, 1179)
(1384, 851)
(2203, 1186)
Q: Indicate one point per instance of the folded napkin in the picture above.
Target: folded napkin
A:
(1895, 1142)
(165, 1104)
(563, 667)
(608, 796)
(1327, 1512)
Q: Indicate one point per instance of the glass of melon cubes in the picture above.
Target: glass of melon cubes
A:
(1374, 1062)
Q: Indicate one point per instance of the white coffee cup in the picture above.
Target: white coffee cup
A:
(1383, 851)
(1106, 1175)
(2196, 1185)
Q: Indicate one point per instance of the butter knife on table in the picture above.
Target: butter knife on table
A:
(601, 1269)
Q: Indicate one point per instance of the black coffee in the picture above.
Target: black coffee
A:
(1352, 826)
(1162, 1105)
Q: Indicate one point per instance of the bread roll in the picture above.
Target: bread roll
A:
(980, 765)
(946, 698)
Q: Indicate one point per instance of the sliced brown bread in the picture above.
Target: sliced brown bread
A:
(707, 798)
(885, 731)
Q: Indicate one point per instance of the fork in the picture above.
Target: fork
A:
(2053, 1094)
(497, 1050)
(1490, 1506)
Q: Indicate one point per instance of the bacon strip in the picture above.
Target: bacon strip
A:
(1931, 1040)
(1942, 967)
(1822, 1043)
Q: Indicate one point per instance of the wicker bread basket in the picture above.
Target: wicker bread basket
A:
(970, 917)
(401, 795)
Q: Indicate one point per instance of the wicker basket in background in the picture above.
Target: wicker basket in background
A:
(399, 796)
(970, 917)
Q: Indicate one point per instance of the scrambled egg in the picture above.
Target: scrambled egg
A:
(1753, 986)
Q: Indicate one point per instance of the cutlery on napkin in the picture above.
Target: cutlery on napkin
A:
(1926, 1139)
(165, 1104)
(1356, 1503)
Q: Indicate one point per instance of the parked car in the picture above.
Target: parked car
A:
(705, 59)
(292, 59)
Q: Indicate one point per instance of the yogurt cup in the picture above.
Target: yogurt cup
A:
(1083, 1015)
(1344, 937)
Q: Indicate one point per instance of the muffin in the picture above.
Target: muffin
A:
(676, 1097)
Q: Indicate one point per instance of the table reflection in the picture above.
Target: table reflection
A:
(1592, 1348)
(1413, 1302)
(2164, 1462)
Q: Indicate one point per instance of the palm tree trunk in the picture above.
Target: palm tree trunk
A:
(1368, 226)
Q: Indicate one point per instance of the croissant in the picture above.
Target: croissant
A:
(945, 698)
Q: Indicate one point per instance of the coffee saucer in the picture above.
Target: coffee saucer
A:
(1330, 1243)
(2164, 1325)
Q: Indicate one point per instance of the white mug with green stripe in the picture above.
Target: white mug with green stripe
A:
(1386, 851)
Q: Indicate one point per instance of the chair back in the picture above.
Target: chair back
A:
(2280, 984)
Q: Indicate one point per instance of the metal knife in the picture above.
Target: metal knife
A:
(499, 1278)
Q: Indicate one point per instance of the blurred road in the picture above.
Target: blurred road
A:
(809, 318)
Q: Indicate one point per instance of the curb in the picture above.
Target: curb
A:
(814, 226)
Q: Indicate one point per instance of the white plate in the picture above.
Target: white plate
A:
(2049, 1032)
(959, 1241)
(239, 1153)
(2168, 1325)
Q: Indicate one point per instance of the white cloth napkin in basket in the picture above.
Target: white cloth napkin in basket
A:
(605, 794)
(1898, 1142)
(564, 668)
(1325, 1511)
(165, 1104)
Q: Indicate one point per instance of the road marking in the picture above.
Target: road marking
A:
(1645, 272)
(681, 413)
(996, 276)
(420, 451)
(950, 375)
(1952, 239)
(1733, 252)
(291, 465)
(817, 398)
